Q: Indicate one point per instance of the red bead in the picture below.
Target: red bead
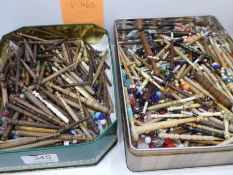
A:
(152, 144)
(169, 143)
(162, 112)
(151, 134)
(46, 74)
(133, 102)
(17, 94)
(6, 113)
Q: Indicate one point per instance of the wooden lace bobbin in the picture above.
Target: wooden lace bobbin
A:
(226, 128)
(183, 107)
(9, 127)
(225, 56)
(91, 123)
(148, 77)
(189, 68)
(187, 59)
(43, 134)
(165, 124)
(194, 39)
(221, 60)
(220, 123)
(4, 94)
(26, 113)
(36, 102)
(225, 87)
(214, 79)
(186, 114)
(31, 73)
(79, 80)
(31, 124)
(54, 75)
(40, 76)
(171, 103)
(34, 145)
(130, 115)
(215, 92)
(177, 97)
(206, 128)
(33, 37)
(226, 142)
(90, 103)
(198, 87)
(33, 108)
(228, 112)
(201, 47)
(51, 107)
(133, 55)
(69, 80)
(127, 71)
(101, 64)
(34, 129)
(71, 112)
(129, 63)
(187, 137)
(17, 142)
(198, 143)
(107, 101)
(180, 72)
(149, 52)
(17, 74)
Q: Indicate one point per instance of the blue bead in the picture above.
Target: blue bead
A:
(215, 66)
(155, 98)
(159, 143)
(158, 93)
(167, 96)
(15, 136)
(101, 117)
(141, 93)
(95, 87)
(72, 132)
(97, 114)
(137, 86)
(127, 83)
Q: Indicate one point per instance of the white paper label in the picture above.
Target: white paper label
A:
(43, 158)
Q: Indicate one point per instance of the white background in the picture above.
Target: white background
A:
(18, 13)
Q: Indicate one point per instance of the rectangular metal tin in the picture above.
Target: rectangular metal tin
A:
(169, 158)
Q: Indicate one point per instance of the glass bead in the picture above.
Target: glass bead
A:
(72, 132)
(169, 143)
(158, 93)
(159, 143)
(101, 117)
(6, 113)
(66, 143)
(155, 98)
(95, 87)
(103, 122)
(163, 72)
(162, 112)
(96, 115)
(15, 136)
(151, 134)
(127, 83)
(152, 144)
(147, 140)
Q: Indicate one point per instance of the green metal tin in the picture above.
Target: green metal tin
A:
(76, 154)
